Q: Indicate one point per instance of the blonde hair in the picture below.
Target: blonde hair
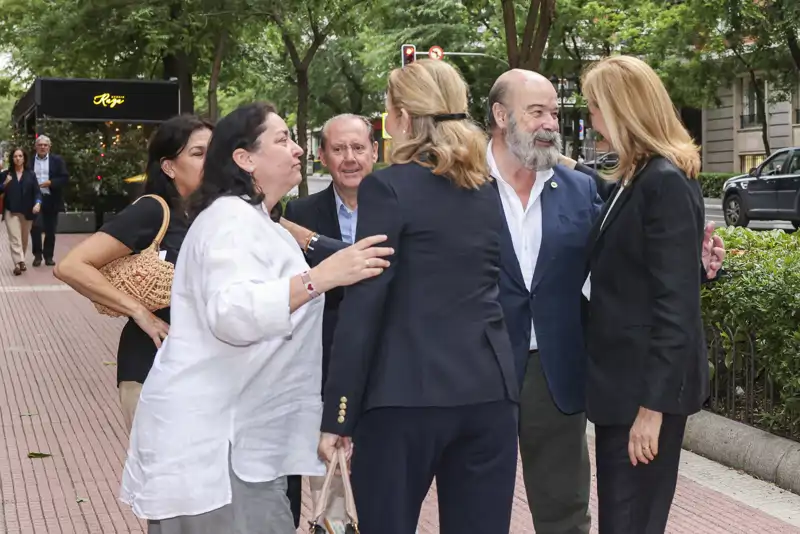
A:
(453, 148)
(641, 120)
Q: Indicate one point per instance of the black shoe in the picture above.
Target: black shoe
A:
(37, 261)
(49, 263)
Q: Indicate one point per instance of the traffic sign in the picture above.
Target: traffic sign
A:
(436, 52)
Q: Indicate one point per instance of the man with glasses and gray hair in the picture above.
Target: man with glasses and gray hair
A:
(51, 172)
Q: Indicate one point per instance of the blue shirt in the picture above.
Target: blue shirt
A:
(347, 219)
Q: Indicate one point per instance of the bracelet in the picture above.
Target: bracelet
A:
(311, 238)
(309, 285)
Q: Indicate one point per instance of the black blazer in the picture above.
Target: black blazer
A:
(59, 177)
(29, 188)
(645, 337)
(429, 331)
(317, 213)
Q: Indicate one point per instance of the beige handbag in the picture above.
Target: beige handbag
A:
(143, 276)
(334, 505)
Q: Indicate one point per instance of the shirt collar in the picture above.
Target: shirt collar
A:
(44, 158)
(340, 203)
(541, 176)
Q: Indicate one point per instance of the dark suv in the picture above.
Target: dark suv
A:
(769, 192)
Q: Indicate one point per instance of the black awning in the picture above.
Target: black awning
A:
(78, 100)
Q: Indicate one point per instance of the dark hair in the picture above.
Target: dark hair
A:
(11, 158)
(167, 143)
(221, 175)
(367, 124)
(497, 95)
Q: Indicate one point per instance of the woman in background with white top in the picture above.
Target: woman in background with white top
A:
(232, 404)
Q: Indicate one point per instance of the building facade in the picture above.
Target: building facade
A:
(732, 133)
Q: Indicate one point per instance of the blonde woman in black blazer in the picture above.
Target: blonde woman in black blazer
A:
(647, 366)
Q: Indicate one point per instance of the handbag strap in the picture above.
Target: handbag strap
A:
(164, 222)
(340, 461)
(322, 498)
(349, 500)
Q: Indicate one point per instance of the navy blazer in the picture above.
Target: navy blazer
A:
(429, 331)
(317, 213)
(554, 303)
(59, 177)
(27, 187)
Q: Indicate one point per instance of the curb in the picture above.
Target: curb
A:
(756, 452)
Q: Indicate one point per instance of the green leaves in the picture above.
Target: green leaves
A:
(758, 302)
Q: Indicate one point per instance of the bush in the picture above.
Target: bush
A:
(758, 299)
(712, 182)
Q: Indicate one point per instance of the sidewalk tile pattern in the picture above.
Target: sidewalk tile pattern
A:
(58, 396)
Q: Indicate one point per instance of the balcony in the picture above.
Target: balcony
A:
(750, 121)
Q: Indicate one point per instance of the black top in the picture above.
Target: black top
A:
(20, 195)
(644, 332)
(429, 331)
(136, 227)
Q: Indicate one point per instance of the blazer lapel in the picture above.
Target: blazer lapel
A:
(328, 218)
(510, 263)
(551, 209)
(612, 209)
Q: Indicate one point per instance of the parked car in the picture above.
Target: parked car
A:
(768, 192)
(604, 162)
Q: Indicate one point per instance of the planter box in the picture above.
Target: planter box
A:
(76, 222)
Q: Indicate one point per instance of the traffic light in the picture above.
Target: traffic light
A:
(408, 54)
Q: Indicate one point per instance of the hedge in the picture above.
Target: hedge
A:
(712, 182)
(758, 299)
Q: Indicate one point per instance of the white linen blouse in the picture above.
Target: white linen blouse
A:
(238, 374)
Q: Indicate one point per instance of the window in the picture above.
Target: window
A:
(794, 166)
(796, 104)
(749, 161)
(776, 164)
(751, 104)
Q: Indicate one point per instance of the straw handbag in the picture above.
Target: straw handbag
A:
(143, 276)
(334, 505)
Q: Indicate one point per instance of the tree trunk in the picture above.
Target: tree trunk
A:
(302, 128)
(529, 54)
(176, 65)
(213, 82)
(761, 111)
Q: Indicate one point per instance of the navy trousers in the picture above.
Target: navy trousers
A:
(471, 451)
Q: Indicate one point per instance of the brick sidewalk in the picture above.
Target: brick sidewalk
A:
(58, 396)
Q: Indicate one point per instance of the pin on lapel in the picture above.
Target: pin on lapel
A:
(553, 185)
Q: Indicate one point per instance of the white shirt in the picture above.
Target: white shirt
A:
(237, 368)
(524, 222)
(41, 167)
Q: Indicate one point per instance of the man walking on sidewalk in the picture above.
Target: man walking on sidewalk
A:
(51, 172)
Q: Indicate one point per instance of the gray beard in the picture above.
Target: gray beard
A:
(523, 145)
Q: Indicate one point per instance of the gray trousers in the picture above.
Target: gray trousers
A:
(256, 508)
(555, 458)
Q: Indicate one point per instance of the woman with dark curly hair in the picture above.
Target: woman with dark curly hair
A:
(232, 404)
(176, 154)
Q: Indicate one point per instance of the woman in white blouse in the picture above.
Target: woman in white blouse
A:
(232, 404)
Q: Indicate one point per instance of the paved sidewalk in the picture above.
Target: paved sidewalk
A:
(58, 396)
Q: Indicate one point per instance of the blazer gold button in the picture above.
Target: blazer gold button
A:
(342, 412)
(343, 399)
(341, 419)
(343, 406)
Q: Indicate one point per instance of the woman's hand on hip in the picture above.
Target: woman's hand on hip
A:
(353, 264)
(643, 442)
(151, 325)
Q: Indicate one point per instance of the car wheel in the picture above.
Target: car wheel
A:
(734, 212)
